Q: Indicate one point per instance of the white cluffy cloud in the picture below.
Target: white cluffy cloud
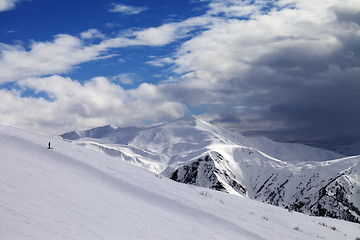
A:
(126, 9)
(161, 62)
(7, 4)
(66, 51)
(91, 34)
(125, 78)
(44, 58)
(67, 105)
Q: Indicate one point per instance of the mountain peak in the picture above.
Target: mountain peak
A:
(97, 132)
(187, 118)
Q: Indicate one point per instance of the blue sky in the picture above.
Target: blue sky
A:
(41, 20)
(285, 69)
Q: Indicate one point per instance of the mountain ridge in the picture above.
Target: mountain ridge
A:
(192, 151)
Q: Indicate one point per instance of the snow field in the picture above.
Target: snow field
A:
(71, 192)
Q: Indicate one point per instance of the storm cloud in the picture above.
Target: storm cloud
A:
(291, 73)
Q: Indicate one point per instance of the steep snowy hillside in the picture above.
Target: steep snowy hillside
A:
(351, 150)
(70, 192)
(329, 188)
(189, 150)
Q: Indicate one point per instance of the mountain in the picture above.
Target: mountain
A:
(351, 150)
(191, 151)
(292, 151)
(71, 192)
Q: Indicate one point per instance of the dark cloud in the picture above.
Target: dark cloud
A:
(291, 75)
(320, 115)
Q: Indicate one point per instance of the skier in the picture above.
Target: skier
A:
(49, 145)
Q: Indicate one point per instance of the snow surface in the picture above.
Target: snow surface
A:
(71, 192)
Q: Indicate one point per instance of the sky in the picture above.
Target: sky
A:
(285, 69)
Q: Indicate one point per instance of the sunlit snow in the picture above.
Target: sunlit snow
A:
(71, 192)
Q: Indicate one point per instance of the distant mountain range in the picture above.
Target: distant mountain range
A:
(192, 151)
(351, 150)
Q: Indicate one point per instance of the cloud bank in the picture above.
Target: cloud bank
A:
(126, 9)
(288, 70)
(61, 104)
(66, 52)
(8, 4)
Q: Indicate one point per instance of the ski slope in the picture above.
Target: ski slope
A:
(71, 192)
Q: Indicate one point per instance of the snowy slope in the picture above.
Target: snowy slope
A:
(292, 151)
(71, 192)
(191, 151)
(351, 150)
(328, 188)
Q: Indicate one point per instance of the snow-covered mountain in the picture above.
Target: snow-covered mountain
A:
(351, 150)
(189, 150)
(71, 192)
